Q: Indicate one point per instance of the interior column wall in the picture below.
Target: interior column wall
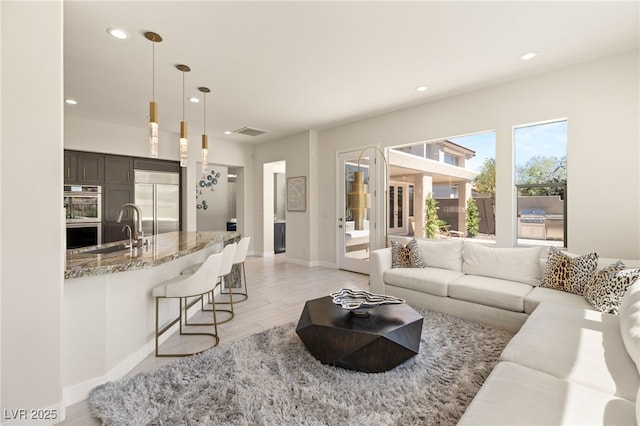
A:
(32, 239)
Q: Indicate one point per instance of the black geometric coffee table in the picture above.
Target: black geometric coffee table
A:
(380, 342)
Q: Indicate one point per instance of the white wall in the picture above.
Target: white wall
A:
(280, 196)
(32, 223)
(216, 196)
(601, 102)
(295, 151)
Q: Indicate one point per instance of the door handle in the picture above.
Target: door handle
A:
(340, 226)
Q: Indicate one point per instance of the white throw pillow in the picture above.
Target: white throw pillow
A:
(445, 254)
(629, 316)
(515, 264)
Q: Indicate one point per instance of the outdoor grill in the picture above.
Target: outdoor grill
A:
(532, 224)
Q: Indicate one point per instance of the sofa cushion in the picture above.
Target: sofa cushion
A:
(541, 294)
(630, 322)
(408, 256)
(428, 280)
(563, 272)
(445, 254)
(609, 285)
(516, 395)
(513, 264)
(487, 291)
(579, 345)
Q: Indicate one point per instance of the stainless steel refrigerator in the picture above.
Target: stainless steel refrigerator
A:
(158, 196)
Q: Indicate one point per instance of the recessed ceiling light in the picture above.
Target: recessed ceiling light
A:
(71, 101)
(118, 33)
(194, 99)
(227, 132)
(528, 55)
(421, 89)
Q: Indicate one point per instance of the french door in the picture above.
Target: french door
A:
(400, 208)
(358, 230)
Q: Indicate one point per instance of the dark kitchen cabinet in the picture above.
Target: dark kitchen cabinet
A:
(114, 196)
(90, 168)
(279, 237)
(70, 167)
(118, 169)
(83, 168)
(156, 165)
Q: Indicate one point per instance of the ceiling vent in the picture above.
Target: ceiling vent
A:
(249, 131)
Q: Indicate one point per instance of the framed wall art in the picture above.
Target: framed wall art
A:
(297, 194)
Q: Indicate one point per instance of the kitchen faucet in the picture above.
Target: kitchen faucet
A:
(128, 228)
(138, 233)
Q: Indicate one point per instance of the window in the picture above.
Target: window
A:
(411, 206)
(451, 159)
(483, 163)
(541, 182)
(414, 179)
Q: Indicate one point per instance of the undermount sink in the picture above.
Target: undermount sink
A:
(110, 249)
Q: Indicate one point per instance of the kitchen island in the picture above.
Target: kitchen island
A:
(108, 312)
(114, 257)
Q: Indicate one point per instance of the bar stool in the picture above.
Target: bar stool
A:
(241, 255)
(181, 287)
(228, 255)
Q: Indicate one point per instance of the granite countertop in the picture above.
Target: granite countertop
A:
(162, 248)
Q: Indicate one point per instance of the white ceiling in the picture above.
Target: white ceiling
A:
(285, 67)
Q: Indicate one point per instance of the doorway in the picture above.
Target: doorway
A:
(274, 207)
(357, 198)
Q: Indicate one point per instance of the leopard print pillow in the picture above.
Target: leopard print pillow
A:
(566, 273)
(408, 256)
(594, 282)
(609, 286)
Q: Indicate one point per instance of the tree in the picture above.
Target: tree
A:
(485, 183)
(432, 222)
(473, 218)
(542, 169)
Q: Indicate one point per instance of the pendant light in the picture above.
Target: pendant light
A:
(184, 142)
(205, 138)
(153, 106)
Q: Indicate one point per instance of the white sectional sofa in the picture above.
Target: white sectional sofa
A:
(567, 363)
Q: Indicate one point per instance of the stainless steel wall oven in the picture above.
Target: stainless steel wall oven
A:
(83, 235)
(83, 206)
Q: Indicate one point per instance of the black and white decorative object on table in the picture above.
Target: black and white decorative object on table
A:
(359, 302)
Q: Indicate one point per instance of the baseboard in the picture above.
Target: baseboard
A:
(80, 391)
(301, 262)
(329, 265)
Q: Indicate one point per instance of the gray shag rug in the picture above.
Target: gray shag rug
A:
(271, 379)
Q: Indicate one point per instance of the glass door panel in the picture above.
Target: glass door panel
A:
(354, 212)
(398, 212)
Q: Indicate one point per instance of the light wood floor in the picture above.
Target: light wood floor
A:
(277, 292)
